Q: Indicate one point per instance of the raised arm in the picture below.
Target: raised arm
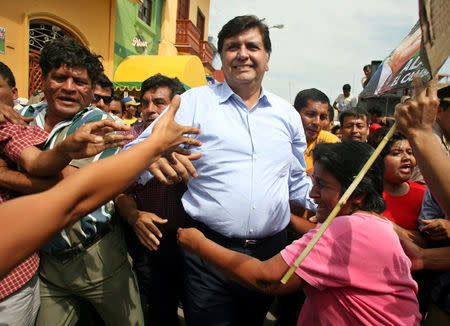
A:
(81, 192)
(415, 120)
(88, 140)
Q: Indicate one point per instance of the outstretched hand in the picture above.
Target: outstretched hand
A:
(8, 113)
(438, 229)
(418, 114)
(169, 133)
(145, 226)
(171, 173)
(93, 138)
(190, 239)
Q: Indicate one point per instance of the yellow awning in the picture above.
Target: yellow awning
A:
(134, 69)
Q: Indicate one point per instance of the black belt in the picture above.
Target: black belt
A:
(226, 241)
(69, 253)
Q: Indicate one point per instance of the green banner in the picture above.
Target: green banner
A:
(2, 40)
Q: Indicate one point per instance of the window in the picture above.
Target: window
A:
(183, 9)
(145, 11)
(201, 24)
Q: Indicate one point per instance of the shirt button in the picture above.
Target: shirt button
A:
(251, 230)
(254, 207)
(256, 181)
(255, 156)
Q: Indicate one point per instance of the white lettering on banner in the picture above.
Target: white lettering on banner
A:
(139, 43)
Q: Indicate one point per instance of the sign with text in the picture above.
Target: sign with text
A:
(397, 70)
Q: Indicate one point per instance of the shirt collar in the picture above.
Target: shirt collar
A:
(225, 92)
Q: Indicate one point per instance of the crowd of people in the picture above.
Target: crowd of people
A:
(118, 211)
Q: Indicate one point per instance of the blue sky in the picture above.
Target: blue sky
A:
(324, 44)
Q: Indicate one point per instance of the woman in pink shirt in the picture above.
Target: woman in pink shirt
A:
(357, 274)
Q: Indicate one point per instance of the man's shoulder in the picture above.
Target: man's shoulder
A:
(31, 110)
(87, 115)
(273, 98)
(339, 97)
(92, 113)
(327, 137)
(212, 89)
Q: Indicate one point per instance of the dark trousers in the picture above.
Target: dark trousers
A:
(211, 299)
(159, 275)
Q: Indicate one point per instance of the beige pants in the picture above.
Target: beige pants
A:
(101, 275)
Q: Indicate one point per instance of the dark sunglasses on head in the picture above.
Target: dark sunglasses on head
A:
(106, 99)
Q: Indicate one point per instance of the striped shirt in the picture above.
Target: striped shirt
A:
(89, 225)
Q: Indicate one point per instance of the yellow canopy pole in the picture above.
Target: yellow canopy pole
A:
(341, 202)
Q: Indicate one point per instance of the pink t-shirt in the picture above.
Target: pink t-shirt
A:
(357, 274)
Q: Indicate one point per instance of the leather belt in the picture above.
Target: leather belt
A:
(226, 241)
(66, 254)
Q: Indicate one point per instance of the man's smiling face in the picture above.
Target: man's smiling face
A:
(244, 59)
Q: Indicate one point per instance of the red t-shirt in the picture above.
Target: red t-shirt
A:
(404, 210)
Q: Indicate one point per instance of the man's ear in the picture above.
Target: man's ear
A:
(266, 68)
(15, 93)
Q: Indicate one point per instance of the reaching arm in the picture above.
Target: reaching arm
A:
(263, 276)
(7, 112)
(143, 223)
(23, 182)
(80, 193)
(438, 230)
(88, 140)
(433, 258)
(415, 120)
(414, 236)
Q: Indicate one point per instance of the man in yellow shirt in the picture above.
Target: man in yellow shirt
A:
(313, 105)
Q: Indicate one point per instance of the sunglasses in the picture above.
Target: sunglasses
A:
(106, 99)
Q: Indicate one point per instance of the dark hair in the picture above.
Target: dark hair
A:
(346, 87)
(344, 161)
(335, 129)
(159, 80)
(313, 94)
(444, 93)
(7, 74)
(116, 97)
(357, 112)
(241, 23)
(330, 112)
(69, 51)
(104, 82)
(375, 138)
(366, 67)
(375, 110)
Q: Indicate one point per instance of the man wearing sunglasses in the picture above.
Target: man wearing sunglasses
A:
(103, 91)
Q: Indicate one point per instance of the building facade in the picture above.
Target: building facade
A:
(29, 24)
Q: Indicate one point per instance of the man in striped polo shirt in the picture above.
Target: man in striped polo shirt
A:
(87, 261)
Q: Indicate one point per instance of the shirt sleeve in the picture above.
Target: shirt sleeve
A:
(430, 209)
(15, 138)
(299, 183)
